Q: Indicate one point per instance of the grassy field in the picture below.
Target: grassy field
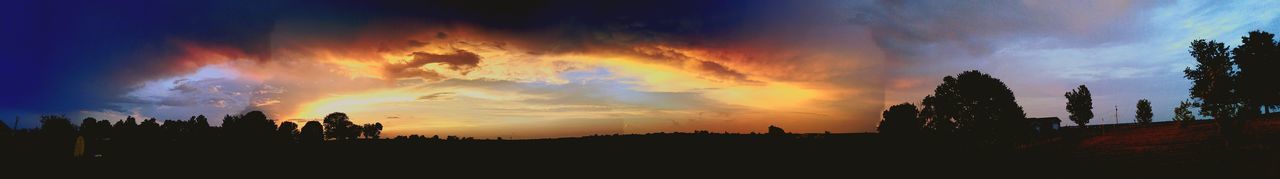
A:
(1160, 149)
(1172, 149)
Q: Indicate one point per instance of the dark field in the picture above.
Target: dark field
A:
(1159, 149)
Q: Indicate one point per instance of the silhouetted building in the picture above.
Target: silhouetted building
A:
(775, 130)
(1045, 125)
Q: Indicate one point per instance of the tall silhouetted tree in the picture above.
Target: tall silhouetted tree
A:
(1080, 105)
(901, 119)
(1182, 113)
(980, 106)
(1213, 80)
(1258, 58)
(338, 126)
(1143, 115)
(1214, 86)
(372, 131)
(312, 132)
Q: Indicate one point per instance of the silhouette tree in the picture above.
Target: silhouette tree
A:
(129, 123)
(149, 131)
(6, 134)
(104, 125)
(372, 131)
(195, 127)
(125, 131)
(312, 133)
(58, 134)
(901, 119)
(178, 129)
(102, 129)
(149, 125)
(1258, 58)
(1143, 115)
(356, 131)
(1182, 113)
(980, 106)
(252, 126)
(939, 117)
(89, 128)
(338, 126)
(201, 122)
(1213, 80)
(288, 131)
(1080, 105)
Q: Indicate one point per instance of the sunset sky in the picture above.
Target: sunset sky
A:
(535, 69)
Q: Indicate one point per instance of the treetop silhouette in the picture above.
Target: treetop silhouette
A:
(1080, 105)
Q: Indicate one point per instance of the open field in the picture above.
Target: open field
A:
(1160, 149)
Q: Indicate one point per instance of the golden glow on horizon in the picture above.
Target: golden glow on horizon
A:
(513, 88)
(647, 76)
(352, 102)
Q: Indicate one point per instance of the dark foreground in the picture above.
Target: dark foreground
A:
(1161, 149)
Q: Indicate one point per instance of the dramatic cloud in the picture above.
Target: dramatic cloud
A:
(437, 96)
(566, 68)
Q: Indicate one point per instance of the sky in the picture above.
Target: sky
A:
(538, 69)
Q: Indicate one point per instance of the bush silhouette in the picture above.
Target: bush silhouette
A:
(901, 119)
(58, 134)
(287, 132)
(312, 132)
(372, 131)
(338, 126)
(1182, 113)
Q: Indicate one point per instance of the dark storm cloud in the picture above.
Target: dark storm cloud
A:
(918, 30)
(461, 60)
(85, 54)
(75, 55)
(722, 72)
(437, 96)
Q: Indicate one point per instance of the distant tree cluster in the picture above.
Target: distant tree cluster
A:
(338, 126)
(58, 134)
(1235, 83)
(901, 119)
(971, 104)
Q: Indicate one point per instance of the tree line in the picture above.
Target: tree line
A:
(1229, 84)
(58, 134)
